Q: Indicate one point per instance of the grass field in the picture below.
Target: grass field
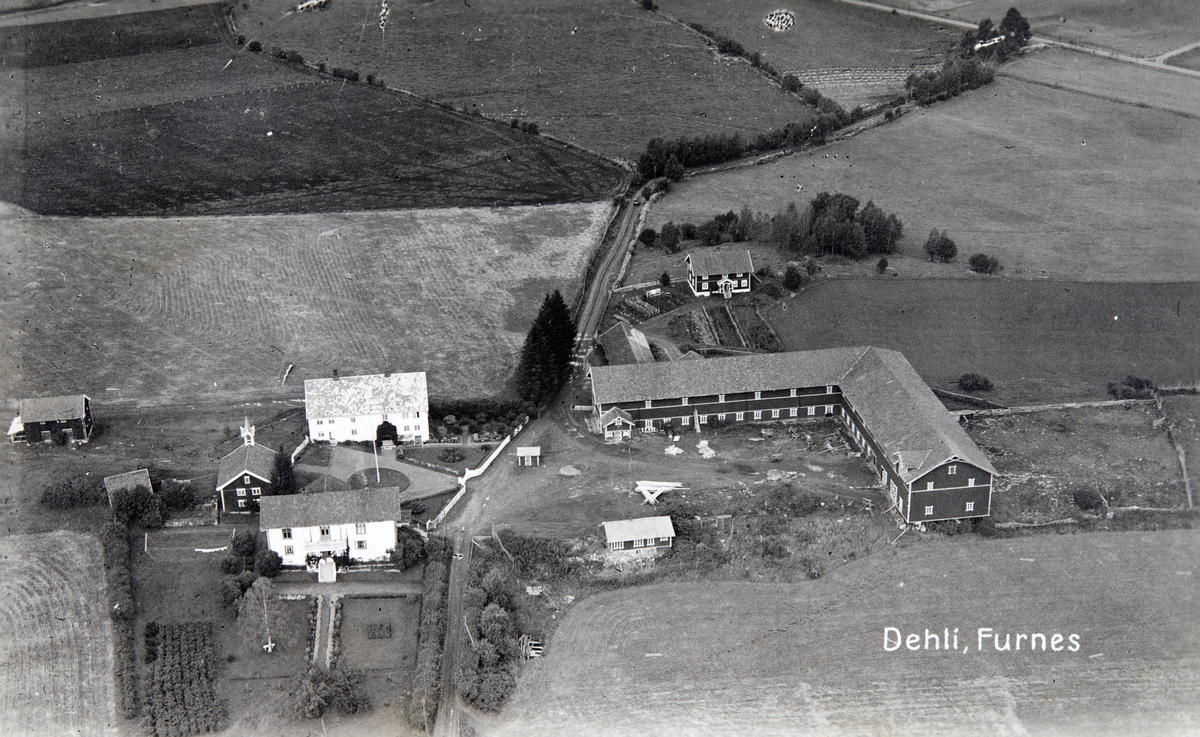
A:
(1039, 342)
(606, 75)
(1054, 183)
(808, 659)
(55, 637)
(853, 55)
(170, 310)
(398, 652)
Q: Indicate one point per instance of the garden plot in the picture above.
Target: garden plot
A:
(55, 637)
(380, 633)
(164, 309)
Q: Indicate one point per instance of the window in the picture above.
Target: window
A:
(758, 395)
(829, 390)
(683, 401)
(791, 392)
(970, 506)
(739, 416)
(406, 428)
(360, 528)
(758, 414)
(256, 491)
(721, 417)
(241, 491)
(360, 544)
(324, 531)
(351, 420)
(287, 533)
(928, 510)
(637, 543)
(812, 411)
(829, 410)
(970, 482)
(241, 503)
(687, 421)
(649, 424)
(354, 432)
(245, 479)
(320, 422)
(952, 471)
(793, 412)
(287, 549)
(648, 404)
(720, 397)
(775, 414)
(703, 419)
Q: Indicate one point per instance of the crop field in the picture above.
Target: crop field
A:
(851, 54)
(605, 75)
(808, 658)
(1145, 28)
(155, 310)
(55, 663)
(1040, 342)
(1055, 184)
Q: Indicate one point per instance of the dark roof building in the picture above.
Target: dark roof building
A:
(719, 271)
(625, 344)
(43, 418)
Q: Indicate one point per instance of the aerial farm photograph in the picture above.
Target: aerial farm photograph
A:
(572, 368)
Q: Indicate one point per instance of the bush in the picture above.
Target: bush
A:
(647, 236)
(451, 455)
(792, 278)
(940, 246)
(255, 47)
(1089, 500)
(1132, 387)
(73, 493)
(268, 563)
(791, 83)
(410, 548)
(232, 565)
(881, 266)
(981, 263)
(177, 496)
(649, 5)
(971, 382)
(245, 543)
(139, 506)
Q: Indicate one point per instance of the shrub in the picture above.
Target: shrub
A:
(791, 83)
(649, 5)
(451, 455)
(881, 266)
(245, 543)
(410, 548)
(647, 236)
(982, 263)
(1132, 387)
(138, 505)
(1089, 500)
(177, 496)
(73, 493)
(971, 382)
(255, 47)
(233, 564)
(940, 246)
(268, 563)
(792, 278)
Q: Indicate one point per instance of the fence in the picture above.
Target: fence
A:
(470, 474)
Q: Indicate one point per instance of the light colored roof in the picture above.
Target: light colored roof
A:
(373, 394)
(529, 450)
(894, 402)
(710, 262)
(42, 409)
(130, 480)
(330, 508)
(258, 460)
(638, 529)
(16, 426)
(612, 414)
(625, 344)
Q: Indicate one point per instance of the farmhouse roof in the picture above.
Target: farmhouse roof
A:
(330, 508)
(257, 460)
(528, 451)
(625, 344)
(644, 528)
(910, 424)
(613, 415)
(712, 262)
(127, 481)
(373, 394)
(44, 409)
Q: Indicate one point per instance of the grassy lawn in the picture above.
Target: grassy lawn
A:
(608, 76)
(398, 652)
(1053, 183)
(1039, 342)
(744, 658)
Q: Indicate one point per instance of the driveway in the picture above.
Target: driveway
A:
(345, 461)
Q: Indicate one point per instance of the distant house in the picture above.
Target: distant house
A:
(48, 418)
(625, 344)
(926, 463)
(638, 534)
(244, 476)
(359, 525)
(353, 407)
(616, 424)
(126, 482)
(529, 455)
(719, 272)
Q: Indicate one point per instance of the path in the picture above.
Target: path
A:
(594, 304)
(449, 711)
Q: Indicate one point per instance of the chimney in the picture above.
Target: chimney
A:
(335, 375)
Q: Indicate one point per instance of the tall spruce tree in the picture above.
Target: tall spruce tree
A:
(283, 479)
(546, 356)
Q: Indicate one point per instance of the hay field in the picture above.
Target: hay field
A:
(605, 75)
(174, 310)
(1039, 342)
(808, 658)
(851, 54)
(1054, 183)
(55, 637)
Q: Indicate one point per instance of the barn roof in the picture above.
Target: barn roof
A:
(44, 409)
(257, 460)
(625, 344)
(330, 508)
(126, 481)
(373, 394)
(715, 261)
(623, 530)
(899, 410)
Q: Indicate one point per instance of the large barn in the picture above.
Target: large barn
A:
(353, 407)
(929, 466)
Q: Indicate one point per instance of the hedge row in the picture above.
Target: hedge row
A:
(114, 543)
(180, 699)
(423, 702)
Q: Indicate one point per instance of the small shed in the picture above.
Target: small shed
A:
(529, 455)
(638, 534)
(126, 482)
(616, 424)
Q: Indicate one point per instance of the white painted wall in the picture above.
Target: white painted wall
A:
(412, 427)
(372, 544)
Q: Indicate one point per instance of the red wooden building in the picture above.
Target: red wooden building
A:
(47, 419)
(719, 272)
(925, 461)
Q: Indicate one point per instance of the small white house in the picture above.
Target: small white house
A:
(638, 534)
(529, 455)
(359, 524)
(353, 407)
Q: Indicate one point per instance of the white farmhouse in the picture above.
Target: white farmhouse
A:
(359, 524)
(353, 407)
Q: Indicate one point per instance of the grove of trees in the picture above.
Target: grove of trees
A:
(940, 246)
(832, 224)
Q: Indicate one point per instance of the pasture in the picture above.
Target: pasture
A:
(171, 310)
(55, 637)
(808, 658)
(853, 55)
(1039, 342)
(607, 76)
(1054, 183)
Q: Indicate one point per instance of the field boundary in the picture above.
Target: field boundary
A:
(1042, 407)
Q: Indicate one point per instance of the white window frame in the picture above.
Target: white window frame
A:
(970, 482)
(703, 419)
(758, 395)
(246, 480)
(360, 528)
(686, 421)
(758, 414)
(739, 416)
(812, 410)
(287, 533)
(360, 544)
(241, 503)
(970, 507)
(952, 470)
(928, 486)
(928, 510)
(323, 531)
(288, 550)
(721, 417)
(241, 491)
(794, 412)
(774, 414)
(255, 491)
